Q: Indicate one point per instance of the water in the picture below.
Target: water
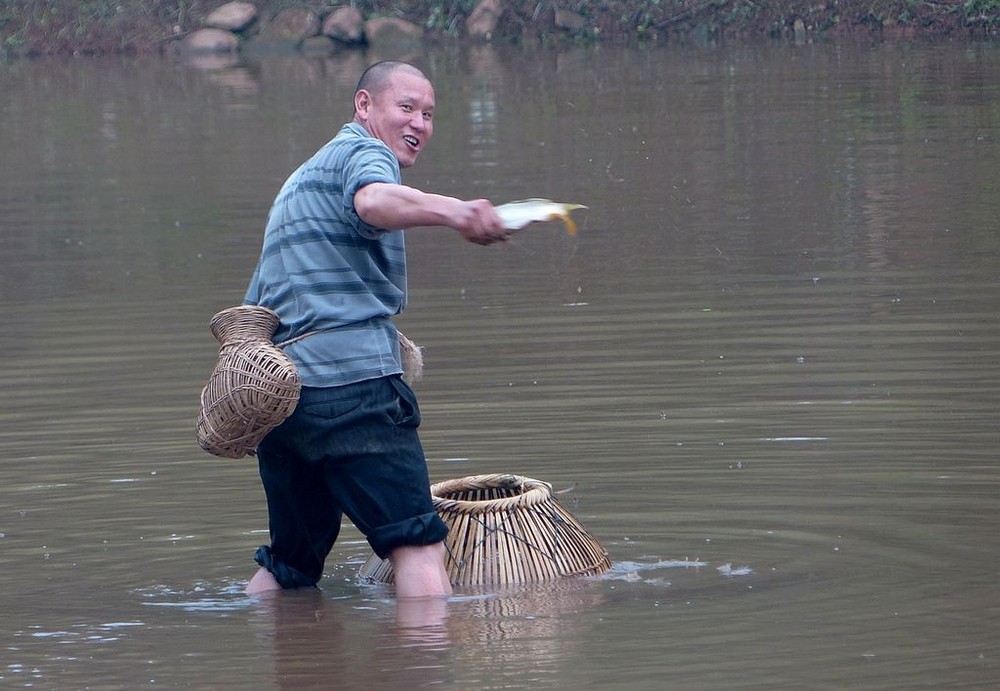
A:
(765, 369)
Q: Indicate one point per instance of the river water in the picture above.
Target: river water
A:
(765, 370)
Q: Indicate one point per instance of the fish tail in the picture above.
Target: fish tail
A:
(565, 218)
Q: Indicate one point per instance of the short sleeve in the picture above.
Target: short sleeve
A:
(371, 161)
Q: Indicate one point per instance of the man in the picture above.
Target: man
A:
(333, 266)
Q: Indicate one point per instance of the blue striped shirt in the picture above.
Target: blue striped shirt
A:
(324, 270)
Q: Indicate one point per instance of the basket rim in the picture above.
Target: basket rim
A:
(245, 309)
(262, 323)
(531, 493)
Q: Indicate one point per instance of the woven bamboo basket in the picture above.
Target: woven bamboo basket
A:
(253, 387)
(506, 529)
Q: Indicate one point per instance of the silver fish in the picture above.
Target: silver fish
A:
(516, 215)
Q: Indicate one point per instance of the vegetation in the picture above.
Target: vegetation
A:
(30, 27)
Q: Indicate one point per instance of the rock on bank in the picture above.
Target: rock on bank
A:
(237, 26)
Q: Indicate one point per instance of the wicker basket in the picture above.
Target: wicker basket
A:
(506, 529)
(253, 387)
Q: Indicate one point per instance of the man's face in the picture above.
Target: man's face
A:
(401, 114)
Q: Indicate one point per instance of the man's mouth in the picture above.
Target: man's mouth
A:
(411, 140)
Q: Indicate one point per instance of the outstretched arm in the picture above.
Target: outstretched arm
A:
(385, 205)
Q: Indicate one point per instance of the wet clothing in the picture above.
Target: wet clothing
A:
(351, 446)
(345, 450)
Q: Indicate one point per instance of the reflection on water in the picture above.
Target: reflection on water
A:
(765, 369)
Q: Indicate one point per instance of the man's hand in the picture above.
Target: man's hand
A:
(477, 221)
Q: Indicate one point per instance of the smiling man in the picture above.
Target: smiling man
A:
(333, 267)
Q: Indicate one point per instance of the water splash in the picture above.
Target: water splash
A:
(202, 598)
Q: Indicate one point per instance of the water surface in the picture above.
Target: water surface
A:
(765, 369)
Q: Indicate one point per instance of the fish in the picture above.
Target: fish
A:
(518, 214)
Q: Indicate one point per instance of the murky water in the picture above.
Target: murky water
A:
(767, 368)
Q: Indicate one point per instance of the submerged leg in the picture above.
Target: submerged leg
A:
(420, 571)
(262, 582)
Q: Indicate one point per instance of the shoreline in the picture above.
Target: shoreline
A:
(145, 27)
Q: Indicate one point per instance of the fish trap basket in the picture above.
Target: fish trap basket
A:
(506, 529)
(253, 387)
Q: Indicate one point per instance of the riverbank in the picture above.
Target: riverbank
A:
(136, 27)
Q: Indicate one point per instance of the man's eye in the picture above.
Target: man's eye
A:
(407, 107)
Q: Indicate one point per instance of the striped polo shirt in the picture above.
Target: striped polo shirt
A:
(329, 274)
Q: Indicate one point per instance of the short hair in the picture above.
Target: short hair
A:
(375, 78)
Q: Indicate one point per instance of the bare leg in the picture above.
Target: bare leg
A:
(262, 582)
(420, 571)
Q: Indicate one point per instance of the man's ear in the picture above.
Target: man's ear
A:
(362, 103)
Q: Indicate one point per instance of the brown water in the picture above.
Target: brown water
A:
(767, 367)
